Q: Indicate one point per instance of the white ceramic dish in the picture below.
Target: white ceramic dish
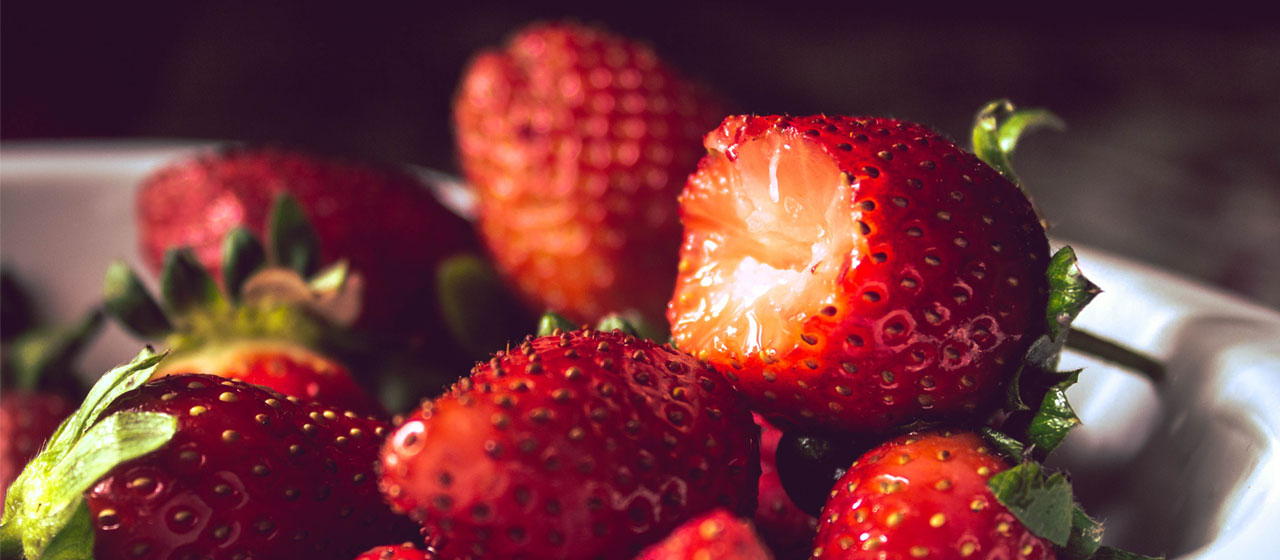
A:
(1189, 467)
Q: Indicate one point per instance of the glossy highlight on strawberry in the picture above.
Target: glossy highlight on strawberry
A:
(580, 444)
(856, 273)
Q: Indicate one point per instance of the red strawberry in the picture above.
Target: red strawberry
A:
(578, 445)
(856, 273)
(786, 527)
(197, 465)
(386, 223)
(717, 535)
(924, 496)
(577, 142)
(404, 551)
(27, 419)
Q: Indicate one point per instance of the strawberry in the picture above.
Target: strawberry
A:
(579, 444)
(384, 221)
(404, 551)
(27, 419)
(924, 496)
(856, 273)
(577, 142)
(198, 465)
(782, 523)
(716, 535)
(269, 326)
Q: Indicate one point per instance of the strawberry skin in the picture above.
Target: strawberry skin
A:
(290, 369)
(27, 419)
(578, 445)
(387, 224)
(717, 535)
(856, 273)
(923, 496)
(250, 473)
(404, 551)
(577, 142)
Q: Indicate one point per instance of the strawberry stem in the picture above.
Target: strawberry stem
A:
(1109, 351)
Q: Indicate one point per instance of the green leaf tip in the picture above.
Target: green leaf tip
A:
(617, 322)
(1069, 291)
(479, 310)
(1055, 417)
(998, 126)
(242, 255)
(186, 287)
(126, 299)
(1043, 504)
(43, 358)
(43, 504)
(290, 236)
(552, 322)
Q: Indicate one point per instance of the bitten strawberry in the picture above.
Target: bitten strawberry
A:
(577, 445)
(206, 466)
(856, 273)
(924, 496)
(577, 142)
(385, 222)
(717, 535)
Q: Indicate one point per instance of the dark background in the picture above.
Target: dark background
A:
(1172, 154)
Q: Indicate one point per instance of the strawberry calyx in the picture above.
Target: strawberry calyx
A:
(1044, 502)
(272, 295)
(629, 323)
(44, 512)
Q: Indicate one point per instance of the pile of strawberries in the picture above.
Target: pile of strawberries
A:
(772, 337)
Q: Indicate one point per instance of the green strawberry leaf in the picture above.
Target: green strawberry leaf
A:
(477, 307)
(127, 301)
(616, 322)
(1086, 535)
(42, 358)
(1006, 445)
(1055, 418)
(75, 540)
(292, 240)
(1069, 291)
(551, 321)
(997, 128)
(186, 287)
(45, 497)
(242, 255)
(1043, 505)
